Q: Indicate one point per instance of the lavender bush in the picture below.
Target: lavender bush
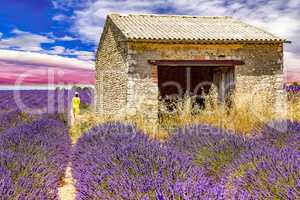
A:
(13, 118)
(190, 138)
(115, 161)
(33, 157)
(211, 148)
(6, 185)
(266, 173)
(281, 133)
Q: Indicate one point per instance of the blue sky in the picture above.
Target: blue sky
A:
(35, 20)
(67, 29)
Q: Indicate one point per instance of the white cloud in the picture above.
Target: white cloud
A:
(57, 50)
(61, 4)
(292, 61)
(84, 55)
(65, 38)
(59, 17)
(55, 4)
(25, 41)
(88, 22)
(292, 69)
(278, 17)
(46, 60)
(1, 34)
(66, 4)
(81, 55)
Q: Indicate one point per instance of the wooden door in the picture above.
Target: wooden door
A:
(223, 79)
(217, 80)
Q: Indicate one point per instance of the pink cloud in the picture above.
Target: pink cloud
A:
(39, 59)
(293, 76)
(292, 67)
(33, 68)
(16, 74)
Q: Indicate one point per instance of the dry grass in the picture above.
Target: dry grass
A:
(246, 113)
(293, 108)
(88, 120)
(84, 122)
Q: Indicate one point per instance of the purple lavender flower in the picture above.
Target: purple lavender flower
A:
(266, 173)
(211, 148)
(35, 156)
(115, 161)
(9, 119)
(281, 133)
(292, 88)
(6, 185)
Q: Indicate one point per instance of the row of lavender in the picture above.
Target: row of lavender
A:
(116, 161)
(33, 159)
(34, 152)
(34, 148)
(44, 101)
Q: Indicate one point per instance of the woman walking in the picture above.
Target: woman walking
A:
(76, 105)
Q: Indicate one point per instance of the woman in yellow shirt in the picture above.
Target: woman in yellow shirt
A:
(76, 105)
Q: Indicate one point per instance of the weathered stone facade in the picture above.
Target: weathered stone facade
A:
(112, 70)
(126, 82)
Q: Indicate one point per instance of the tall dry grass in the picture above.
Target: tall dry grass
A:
(246, 112)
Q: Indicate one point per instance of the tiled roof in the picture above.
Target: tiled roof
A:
(189, 28)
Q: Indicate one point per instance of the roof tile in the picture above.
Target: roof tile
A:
(176, 27)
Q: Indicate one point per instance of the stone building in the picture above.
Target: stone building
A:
(143, 57)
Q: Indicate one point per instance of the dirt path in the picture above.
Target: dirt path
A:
(67, 191)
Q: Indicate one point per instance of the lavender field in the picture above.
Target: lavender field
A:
(33, 158)
(118, 161)
(35, 143)
(43, 101)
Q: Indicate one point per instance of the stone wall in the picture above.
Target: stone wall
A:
(263, 67)
(112, 70)
(125, 84)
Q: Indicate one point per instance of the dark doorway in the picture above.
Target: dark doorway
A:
(177, 81)
(180, 80)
